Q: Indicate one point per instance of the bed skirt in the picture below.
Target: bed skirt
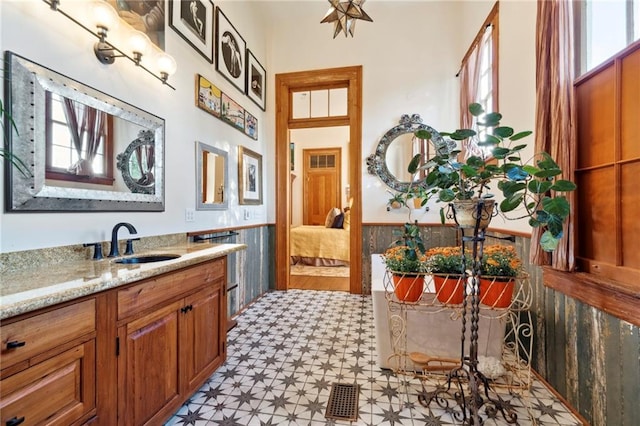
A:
(317, 261)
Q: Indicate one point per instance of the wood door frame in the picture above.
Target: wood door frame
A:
(337, 151)
(350, 77)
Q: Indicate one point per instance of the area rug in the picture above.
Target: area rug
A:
(320, 271)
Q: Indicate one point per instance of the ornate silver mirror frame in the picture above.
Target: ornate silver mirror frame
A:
(212, 178)
(26, 89)
(377, 163)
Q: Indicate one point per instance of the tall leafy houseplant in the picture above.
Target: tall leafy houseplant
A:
(526, 185)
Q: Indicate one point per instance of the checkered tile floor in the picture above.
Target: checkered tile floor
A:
(290, 347)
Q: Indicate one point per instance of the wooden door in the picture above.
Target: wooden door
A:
(321, 186)
(148, 367)
(203, 335)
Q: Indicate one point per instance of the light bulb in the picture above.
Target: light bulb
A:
(166, 64)
(105, 16)
(140, 44)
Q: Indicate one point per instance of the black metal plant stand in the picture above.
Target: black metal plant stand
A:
(478, 393)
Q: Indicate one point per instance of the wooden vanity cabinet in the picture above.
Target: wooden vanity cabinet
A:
(48, 363)
(168, 351)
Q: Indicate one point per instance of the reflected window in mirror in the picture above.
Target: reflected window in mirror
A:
(79, 142)
(212, 178)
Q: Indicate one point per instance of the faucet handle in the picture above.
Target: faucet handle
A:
(129, 249)
(97, 252)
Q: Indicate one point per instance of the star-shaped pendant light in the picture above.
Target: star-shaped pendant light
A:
(344, 14)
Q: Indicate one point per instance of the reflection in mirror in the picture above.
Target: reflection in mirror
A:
(69, 134)
(137, 164)
(398, 146)
(212, 178)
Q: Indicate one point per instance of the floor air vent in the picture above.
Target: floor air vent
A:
(343, 402)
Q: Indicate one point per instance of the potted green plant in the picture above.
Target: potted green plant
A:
(396, 201)
(447, 265)
(524, 186)
(499, 266)
(405, 261)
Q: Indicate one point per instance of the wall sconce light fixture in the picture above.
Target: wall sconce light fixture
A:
(106, 19)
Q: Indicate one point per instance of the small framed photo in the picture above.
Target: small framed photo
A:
(193, 21)
(208, 96)
(232, 112)
(249, 176)
(230, 52)
(250, 125)
(256, 81)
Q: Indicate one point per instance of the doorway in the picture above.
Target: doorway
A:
(286, 84)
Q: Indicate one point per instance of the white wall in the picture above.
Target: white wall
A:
(410, 55)
(30, 29)
(322, 137)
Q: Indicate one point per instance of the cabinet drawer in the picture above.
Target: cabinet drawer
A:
(58, 391)
(27, 338)
(154, 291)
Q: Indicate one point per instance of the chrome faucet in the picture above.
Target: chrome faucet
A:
(114, 252)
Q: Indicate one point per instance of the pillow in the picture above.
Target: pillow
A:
(331, 216)
(346, 224)
(338, 221)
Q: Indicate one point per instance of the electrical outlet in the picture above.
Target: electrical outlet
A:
(189, 215)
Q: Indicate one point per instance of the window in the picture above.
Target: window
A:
(604, 28)
(64, 160)
(479, 81)
(319, 103)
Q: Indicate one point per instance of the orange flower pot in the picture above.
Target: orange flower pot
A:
(408, 288)
(496, 292)
(449, 288)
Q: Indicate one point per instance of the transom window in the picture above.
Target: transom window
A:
(605, 28)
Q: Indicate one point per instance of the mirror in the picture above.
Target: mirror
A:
(137, 162)
(75, 140)
(398, 146)
(211, 178)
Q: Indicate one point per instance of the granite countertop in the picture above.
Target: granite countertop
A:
(34, 288)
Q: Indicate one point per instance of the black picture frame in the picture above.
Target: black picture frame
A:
(249, 177)
(256, 85)
(193, 21)
(230, 52)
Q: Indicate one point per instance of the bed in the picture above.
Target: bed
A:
(319, 246)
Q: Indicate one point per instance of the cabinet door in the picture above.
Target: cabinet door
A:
(203, 335)
(148, 367)
(58, 391)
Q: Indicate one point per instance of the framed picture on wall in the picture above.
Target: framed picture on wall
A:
(249, 176)
(193, 21)
(256, 81)
(232, 112)
(208, 96)
(250, 125)
(230, 52)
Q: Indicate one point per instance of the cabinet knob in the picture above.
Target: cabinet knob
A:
(15, 421)
(15, 344)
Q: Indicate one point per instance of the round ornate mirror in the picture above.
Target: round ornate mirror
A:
(137, 163)
(398, 146)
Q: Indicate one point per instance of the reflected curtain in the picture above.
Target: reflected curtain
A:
(469, 78)
(84, 124)
(554, 129)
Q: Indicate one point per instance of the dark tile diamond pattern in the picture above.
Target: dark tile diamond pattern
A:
(289, 348)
